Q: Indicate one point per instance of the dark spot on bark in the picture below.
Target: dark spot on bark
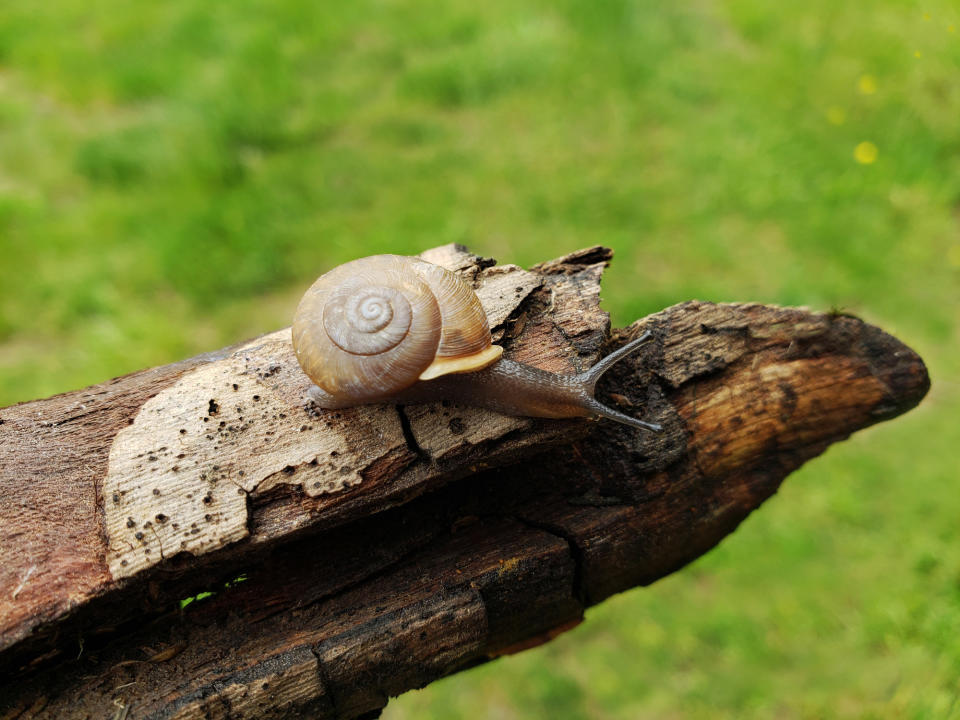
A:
(789, 401)
(116, 497)
(152, 458)
(207, 499)
(256, 398)
(161, 518)
(156, 491)
(345, 470)
(138, 535)
(182, 431)
(236, 387)
(334, 453)
(213, 408)
(123, 563)
(130, 522)
(289, 470)
(208, 517)
(456, 426)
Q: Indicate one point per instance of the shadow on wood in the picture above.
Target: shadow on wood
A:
(345, 557)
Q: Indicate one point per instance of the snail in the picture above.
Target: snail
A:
(391, 328)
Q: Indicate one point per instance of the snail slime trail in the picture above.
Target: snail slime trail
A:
(391, 328)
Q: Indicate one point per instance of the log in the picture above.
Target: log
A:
(199, 541)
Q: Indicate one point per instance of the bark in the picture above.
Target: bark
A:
(345, 557)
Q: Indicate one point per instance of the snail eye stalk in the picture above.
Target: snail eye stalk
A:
(591, 376)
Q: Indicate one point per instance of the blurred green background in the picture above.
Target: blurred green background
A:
(173, 175)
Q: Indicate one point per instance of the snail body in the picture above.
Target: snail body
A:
(390, 328)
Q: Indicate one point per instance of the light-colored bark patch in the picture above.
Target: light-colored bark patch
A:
(179, 477)
(502, 289)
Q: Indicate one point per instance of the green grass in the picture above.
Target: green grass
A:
(173, 175)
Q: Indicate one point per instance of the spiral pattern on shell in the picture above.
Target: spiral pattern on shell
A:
(369, 328)
(366, 320)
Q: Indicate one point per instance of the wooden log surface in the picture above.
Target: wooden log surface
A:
(348, 556)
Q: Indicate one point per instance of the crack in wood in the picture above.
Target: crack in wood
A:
(323, 677)
(409, 437)
(578, 591)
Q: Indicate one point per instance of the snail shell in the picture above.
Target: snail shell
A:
(375, 326)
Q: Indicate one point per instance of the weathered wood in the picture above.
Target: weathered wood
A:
(355, 554)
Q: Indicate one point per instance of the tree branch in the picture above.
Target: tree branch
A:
(348, 556)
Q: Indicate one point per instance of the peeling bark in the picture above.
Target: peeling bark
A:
(351, 555)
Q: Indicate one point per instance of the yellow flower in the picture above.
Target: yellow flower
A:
(868, 84)
(865, 153)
